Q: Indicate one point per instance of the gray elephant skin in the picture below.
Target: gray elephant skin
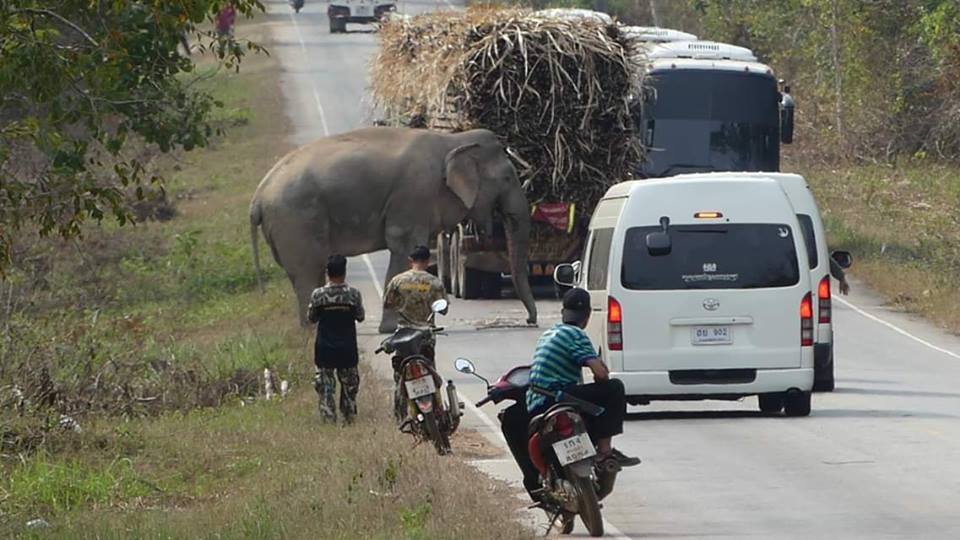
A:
(387, 188)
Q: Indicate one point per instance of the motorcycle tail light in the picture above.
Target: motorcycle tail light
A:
(563, 424)
(415, 370)
(536, 456)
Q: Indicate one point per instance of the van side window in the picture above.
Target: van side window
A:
(809, 238)
(599, 259)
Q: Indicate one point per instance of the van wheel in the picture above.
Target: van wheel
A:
(797, 404)
(770, 403)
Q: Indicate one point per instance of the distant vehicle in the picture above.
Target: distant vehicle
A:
(701, 290)
(711, 107)
(341, 12)
(297, 5)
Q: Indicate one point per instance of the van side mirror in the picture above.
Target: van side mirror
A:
(565, 275)
(659, 243)
(787, 106)
(843, 258)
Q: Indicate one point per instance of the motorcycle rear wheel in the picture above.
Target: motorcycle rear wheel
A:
(589, 506)
(440, 440)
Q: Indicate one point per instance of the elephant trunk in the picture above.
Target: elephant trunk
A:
(516, 211)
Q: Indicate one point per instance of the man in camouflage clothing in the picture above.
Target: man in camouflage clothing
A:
(411, 294)
(336, 308)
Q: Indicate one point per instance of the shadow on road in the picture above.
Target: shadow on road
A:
(815, 414)
(904, 393)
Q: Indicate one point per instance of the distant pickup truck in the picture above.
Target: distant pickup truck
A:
(341, 12)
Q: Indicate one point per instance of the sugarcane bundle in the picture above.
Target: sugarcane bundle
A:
(559, 91)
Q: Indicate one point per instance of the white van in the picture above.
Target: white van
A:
(818, 257)
(700, 290)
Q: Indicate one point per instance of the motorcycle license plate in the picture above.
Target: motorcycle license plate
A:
(424, 386)
(574, 449)
(363, 11)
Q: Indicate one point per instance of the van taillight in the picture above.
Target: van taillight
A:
(823, 293)
(806, 321)
(614, 325)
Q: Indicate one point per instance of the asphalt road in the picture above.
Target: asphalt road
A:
(880, 457)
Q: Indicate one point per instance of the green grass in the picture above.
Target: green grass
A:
(55, 486)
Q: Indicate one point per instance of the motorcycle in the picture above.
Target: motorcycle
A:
(427, 415)
(572, 481)
(297, 5)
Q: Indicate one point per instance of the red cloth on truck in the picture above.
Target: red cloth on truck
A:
(560, 216)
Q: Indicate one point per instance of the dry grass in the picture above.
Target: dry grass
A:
(271, 470)
(557, 91)
(902, 225)
(179, 297)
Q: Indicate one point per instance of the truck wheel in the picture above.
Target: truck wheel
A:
(455, 264)
(443, 261)
(467, 280)
(471, 283)
(490, 285)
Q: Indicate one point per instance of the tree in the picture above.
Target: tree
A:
(79, 80)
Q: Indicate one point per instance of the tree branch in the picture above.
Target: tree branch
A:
(62, 19)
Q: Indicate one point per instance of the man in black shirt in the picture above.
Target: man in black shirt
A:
(336, 308)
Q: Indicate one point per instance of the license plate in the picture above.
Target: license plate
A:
(711, 335)
(574, 449)
(424, 386)
(363, 11)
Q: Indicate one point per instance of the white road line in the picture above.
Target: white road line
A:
(316, 95)
(376, 283)
(373, 274)
(897, 329)
(612, 531)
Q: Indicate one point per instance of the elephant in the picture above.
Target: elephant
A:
(387, 188)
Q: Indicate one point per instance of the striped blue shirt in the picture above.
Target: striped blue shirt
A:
(558, 361)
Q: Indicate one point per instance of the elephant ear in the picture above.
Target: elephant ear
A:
(463, 174)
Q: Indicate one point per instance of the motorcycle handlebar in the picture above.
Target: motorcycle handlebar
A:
(378, 351)
(483, 401)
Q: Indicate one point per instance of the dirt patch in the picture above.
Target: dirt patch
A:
(470, 444)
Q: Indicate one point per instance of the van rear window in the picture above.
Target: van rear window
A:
(722, 256)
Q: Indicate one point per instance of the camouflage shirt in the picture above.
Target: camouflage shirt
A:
(411, 294)
(336, 308)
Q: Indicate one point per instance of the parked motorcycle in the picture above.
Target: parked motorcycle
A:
(573, 482)
(297, 5)
(427, 415)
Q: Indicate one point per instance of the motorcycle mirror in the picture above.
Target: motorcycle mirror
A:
(439, 305)
(465, 366)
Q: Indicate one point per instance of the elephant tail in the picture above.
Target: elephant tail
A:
(256, 218)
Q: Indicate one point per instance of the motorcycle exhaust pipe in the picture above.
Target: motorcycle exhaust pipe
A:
(453, 400)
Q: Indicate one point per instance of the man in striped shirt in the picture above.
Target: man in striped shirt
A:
(562, 353)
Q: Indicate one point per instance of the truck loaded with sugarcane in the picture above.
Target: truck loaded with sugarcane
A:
(580, 103)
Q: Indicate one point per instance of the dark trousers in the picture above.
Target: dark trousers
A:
(514, 424)
(608, 394)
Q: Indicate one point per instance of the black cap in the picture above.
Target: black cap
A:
(420, 254)
(576, 305)
(337, 266)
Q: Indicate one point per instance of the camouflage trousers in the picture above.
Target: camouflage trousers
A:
(325, 382)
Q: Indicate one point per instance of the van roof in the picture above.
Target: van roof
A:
(625, 189)
(747, 197)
